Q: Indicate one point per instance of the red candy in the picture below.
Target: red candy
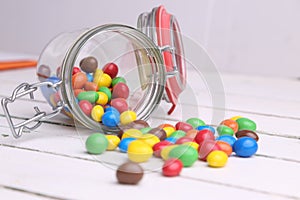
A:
(120, 104)
(184, 140)
(120, 90)
(86, 107)
(204, 135)
(159, 146)
(76, 70)
(183, 126)
(172, 167)
(207, 147)
(111, 69)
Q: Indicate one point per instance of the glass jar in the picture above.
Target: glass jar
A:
(150, 59)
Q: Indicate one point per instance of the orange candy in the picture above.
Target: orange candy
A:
(231, 123)
(225, 147)
(78, 80)
(192, 133)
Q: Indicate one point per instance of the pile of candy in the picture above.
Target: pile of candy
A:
(179, 145)
(101, 94)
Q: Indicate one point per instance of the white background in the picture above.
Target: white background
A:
(251, 36)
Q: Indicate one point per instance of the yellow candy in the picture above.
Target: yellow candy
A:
(235, 117)
(139, 151)
(217, 158)
(97, 74)
(150, 139)
(127, 117)
(165, 151)
(132, 133)
(97, 113)
(102, 99)
(192, 144)
(169, 130)
(113, 142)
(104, 80)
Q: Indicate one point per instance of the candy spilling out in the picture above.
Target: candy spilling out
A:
(101, 94)
(179, 145)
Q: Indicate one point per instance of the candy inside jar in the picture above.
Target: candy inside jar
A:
(110, 75)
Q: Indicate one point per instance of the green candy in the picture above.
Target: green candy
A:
(96, 143)
(105, 90)
(145, 130)
(178, 134)
(185, 153)
(195, 122)
(246, 124)
(90, 96)
(117, 80)
(225, 130)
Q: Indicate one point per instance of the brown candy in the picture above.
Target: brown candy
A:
(89, 64)
(129, 173)
(247, 133)
(159, 132)
(137, 124)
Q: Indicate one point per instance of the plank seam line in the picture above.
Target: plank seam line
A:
(31, 192)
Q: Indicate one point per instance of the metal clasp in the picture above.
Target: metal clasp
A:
(20, 91)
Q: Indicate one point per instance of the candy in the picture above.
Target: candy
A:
(145, 130)
(183, 140)
(102, 98)
(90, 86)
(90, 96)
(77, 91)
(235, 117)
(192, 133)
(103, 80)
(171, 139)
(113, 142)
(217, 159)
(159, 146)
(132, 133)
(186, 154)
(106, 90)
(79, 80)
(97, 113)
(136, 124)
(203, 135)
(127, 117)
(178, 134)
(123, 145)
(225, 147)
(183, 126)
(166, 150)
(247, 133)
(169, 130)
(117, 80)
(225, 130)
(199, 128)
(111, 118)
(149, 139)
(111, 69)
(120, 104)
(231, 123)
(43, 72)
(195, 122)
(138, 151)
(89, 64)
(227, 138)
(159, 132)
(192, 144)
(96, 143)
(207, 147)
(90, 77)
(120, 90)
(245, 147)
(246, 124)
(172, 167)
(86, 107)
(76, 70)
(129, 173)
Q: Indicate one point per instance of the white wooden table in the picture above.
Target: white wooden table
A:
(51, 162)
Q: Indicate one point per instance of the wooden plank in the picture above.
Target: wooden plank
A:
(16, 194)
(76, 179)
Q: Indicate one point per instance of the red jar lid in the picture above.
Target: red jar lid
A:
(164, 30)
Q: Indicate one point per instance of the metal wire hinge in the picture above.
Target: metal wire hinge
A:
(28, 89)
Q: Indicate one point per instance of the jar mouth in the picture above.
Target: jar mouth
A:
(149, 69)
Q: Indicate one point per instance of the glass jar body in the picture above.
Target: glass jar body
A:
(139, 61)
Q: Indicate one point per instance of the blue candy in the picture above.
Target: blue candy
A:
(206, 127)
(227, 138)
(245, 147)
(171, 139)
(111, 118)
(90, 77)
(123, 145)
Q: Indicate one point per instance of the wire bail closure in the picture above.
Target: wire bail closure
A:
(28, 89)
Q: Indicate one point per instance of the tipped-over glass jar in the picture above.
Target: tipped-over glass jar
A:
(149, 59)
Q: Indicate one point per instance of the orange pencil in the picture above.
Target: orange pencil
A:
(5, 65)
